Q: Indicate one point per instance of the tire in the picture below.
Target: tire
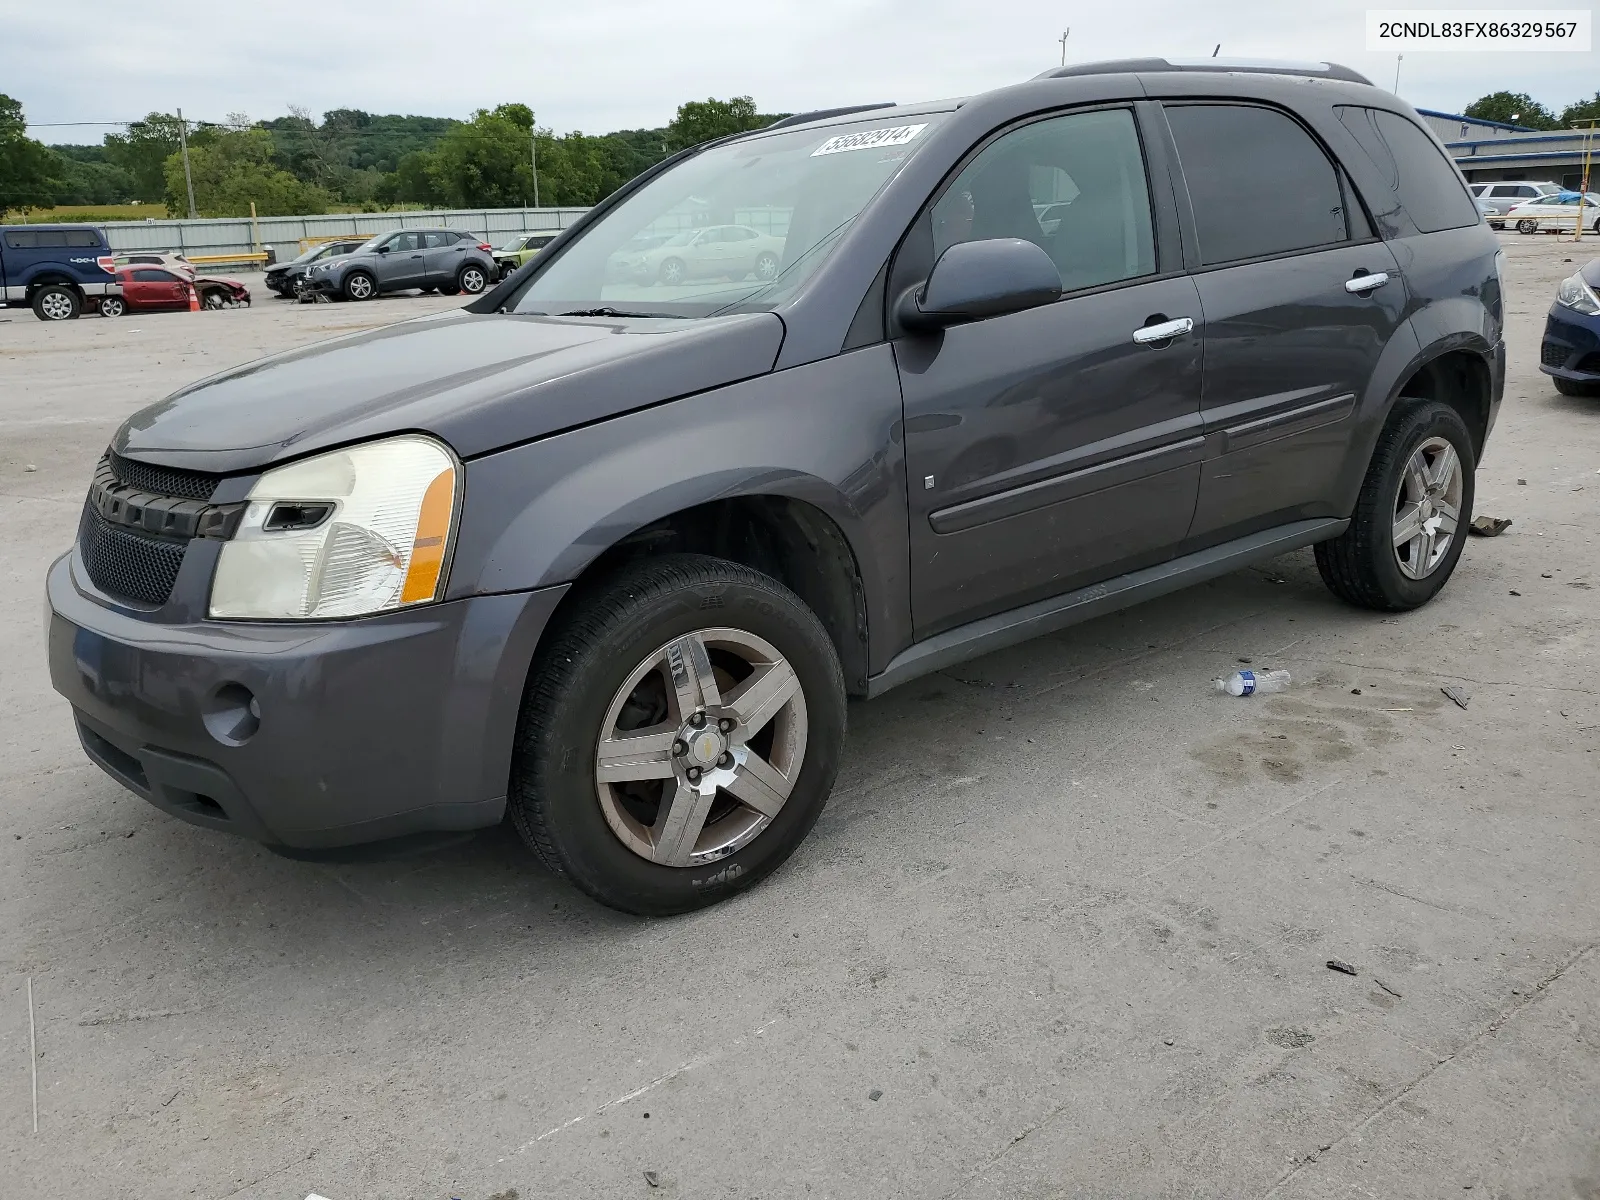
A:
(472, 279)
(613, 638)
(112, 306)
(214, 301)
(1497, 225)
(672, 272)
(55, 302)
(1577, 387)
(358, 285)
(767, 266)
(1364, 566)
(1527, 227)
(449, 289)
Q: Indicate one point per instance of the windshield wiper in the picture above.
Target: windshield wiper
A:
(607, 311)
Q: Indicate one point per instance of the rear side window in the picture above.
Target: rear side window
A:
(1415, 167)
(83, 237)
(435, 240)
(40, 239)
(1258, 182)
(19, 240)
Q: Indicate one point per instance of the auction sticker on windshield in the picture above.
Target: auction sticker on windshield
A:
(869, 139)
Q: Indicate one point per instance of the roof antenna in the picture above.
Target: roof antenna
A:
(1214, 52)
(1063, 40)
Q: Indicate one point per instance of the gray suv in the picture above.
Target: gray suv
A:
(607, 556)
(444, 260)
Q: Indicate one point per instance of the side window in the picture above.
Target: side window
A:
(401, 242)
(1087, 169)
(1429, 188)
(434, 240)
(539, 243)
(149, 275)
(1258, 183)
(53, 238)
(19, 240)
(83, 237)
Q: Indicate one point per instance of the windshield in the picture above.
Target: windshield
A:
(514, 244)
(735, 228)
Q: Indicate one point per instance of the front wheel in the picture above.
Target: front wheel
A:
(766, 266)
(1411, 517)
(672, 272)
(358, 285)
(679, 734)
(472, 279)
(112, 306)
(1527, 226)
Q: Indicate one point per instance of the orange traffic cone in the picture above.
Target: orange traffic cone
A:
(194, 299)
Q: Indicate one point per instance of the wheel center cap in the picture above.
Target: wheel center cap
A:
(1427, 509)
(706, 746)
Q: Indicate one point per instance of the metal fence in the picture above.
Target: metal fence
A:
(236, 235)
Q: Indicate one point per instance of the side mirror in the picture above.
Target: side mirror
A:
(384, 248)
(973, 280)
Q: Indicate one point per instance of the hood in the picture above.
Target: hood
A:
(478, 382)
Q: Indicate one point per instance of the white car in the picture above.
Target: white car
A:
(733, 251)
(1556, 214)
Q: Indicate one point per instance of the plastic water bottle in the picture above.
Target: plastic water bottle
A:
(1251, 683)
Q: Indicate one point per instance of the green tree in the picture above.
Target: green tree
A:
(486, 162)
(1512, 108)
(702, 120)
(1581, 112)
(29, 173)
(232, 168)
(143, 152)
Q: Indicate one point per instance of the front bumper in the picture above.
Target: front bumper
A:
(1571, 345)
(301, 736)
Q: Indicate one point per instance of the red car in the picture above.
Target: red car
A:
(155, 289)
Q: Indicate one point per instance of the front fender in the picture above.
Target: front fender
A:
(827, 433)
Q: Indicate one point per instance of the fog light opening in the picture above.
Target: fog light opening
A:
(232, 714)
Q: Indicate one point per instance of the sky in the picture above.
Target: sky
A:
(599, 65)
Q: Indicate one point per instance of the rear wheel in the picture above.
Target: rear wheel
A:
(472, 279)
(112, 306)
(1527, 226)
(679, 735)
(358, 285)
(766, 266)
(54, 302)
(215, 299)
(1411, 517)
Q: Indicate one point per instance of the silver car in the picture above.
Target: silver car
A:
(1502, 196)
(717, 251)
(444, 260)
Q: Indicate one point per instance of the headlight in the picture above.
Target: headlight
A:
(1577, 295)
(347, 534)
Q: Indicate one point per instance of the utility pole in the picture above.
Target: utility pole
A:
(1583, 184)
(1398, 59)
(1063, 40)
(188, 179)
(533, 159)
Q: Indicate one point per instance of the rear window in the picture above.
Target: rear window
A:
(1414, 165)
(1259, 183)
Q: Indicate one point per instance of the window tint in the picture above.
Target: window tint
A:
(148, 275)
(1416, 167)
(17, 240)
(539, 243)
(82, 237)
(404, 241)
(1094, 158)
(1477, 189)
(1258, 183)
(434, 240)
(52, 238)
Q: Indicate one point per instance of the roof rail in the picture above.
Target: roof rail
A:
(1256, 66)
(806, 118)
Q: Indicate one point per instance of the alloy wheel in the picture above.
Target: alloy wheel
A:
(700, 747)
(57, 306)
(1427, 509)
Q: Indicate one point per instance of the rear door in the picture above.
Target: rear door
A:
(1300, 298)
(1059, 446)
(443, 252)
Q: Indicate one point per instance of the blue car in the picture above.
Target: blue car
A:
(56, 270)
(1571, 350)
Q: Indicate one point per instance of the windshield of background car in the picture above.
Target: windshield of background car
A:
(736, 228)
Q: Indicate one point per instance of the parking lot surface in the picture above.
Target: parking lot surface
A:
(1062, 930)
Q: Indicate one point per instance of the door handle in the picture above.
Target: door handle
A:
(1365, 283)
(1164, 332)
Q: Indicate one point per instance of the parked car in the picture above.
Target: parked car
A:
(619, 267)
(1556, 214)
(56, 270)
(519, 250)
(286, 278)
(443, 259)
(165, 289)
(169, 259)
(1507, 194)
(1570, 353)
(715, 252)
(612, 570)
